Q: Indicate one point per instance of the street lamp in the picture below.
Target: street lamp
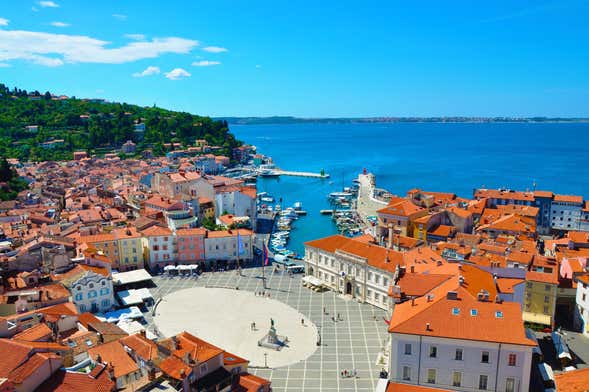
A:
(265, 360)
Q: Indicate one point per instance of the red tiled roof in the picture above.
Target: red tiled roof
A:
(38, 332)
(400, 387)
(13, 355)
(568, 199)
(145, 348)
(115, 354)
(573, 381)
(413, 318)
(64, 381)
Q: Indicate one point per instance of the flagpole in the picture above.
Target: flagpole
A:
(237, 253)
(264, 258)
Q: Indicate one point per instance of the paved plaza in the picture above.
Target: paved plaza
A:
(353, 343)
(225, 318)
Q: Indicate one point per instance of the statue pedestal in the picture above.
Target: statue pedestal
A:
(273, 340)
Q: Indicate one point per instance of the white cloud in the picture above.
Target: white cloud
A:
(4, 65)
(177, 74)
(258, 66)
(119, 16)
(214, 49)
(4, 22)
(48, 4)
(135, 37)
(151, 70)
(60, 24)
(205, 63)
(56, 49)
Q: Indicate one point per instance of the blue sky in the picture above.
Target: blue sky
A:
(306, 58)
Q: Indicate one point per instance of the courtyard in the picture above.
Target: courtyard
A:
(351, 343)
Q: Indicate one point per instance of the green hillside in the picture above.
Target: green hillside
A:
(95, 126)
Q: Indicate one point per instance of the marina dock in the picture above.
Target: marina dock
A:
(301, 174)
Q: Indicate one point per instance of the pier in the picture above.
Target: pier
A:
(300, 174)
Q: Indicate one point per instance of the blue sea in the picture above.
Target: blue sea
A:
(448, 157)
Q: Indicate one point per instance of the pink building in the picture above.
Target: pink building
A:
(191, 245)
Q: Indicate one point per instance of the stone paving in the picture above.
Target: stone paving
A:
(353, 343)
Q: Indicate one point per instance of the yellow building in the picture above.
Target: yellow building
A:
(540, 296)
(130, 248)
(105, 242)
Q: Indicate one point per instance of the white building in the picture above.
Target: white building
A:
(223, 245)
(361, 270)
(237, 202)
(567, 213)
(451, 340)
(91, 288)
(582, 300)
(160, 245)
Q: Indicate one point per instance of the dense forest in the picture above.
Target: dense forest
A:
(95, 126)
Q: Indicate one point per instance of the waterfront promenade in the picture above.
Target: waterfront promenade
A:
(301, 174)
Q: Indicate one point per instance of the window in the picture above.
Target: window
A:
(92, 294)
(584, 296)
(104, 291)
(455, 311)
(458, 354)
(407, 349)
(456, 379)
(546, 287)
(485, 357)
(431, 376)
(406, 373)
(545, 309)
(473, 312)
(385, 281)
(499, 314)
(433, 351)
(511, 359)
(509, 385)
(105, 303)
(483, 380)
(79, 297)
(546, 299)
(91, 285)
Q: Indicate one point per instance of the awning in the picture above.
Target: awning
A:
(312, 280)
(135, 276)
(169, 268)
(134, 297)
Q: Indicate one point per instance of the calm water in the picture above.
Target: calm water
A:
(439, 157)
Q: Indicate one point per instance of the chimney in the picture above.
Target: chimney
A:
(452, 295)
(498, 299)
(142, 332)
(412, 301)
(427, 327)
(390, 242)
(98, 359)
(111, 372)
(412, 269)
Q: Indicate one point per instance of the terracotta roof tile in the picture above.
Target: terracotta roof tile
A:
(444, 321)
(115, 354)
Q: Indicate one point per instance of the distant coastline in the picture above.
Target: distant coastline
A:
(364, 120)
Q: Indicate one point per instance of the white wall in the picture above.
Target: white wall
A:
(471, 367)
